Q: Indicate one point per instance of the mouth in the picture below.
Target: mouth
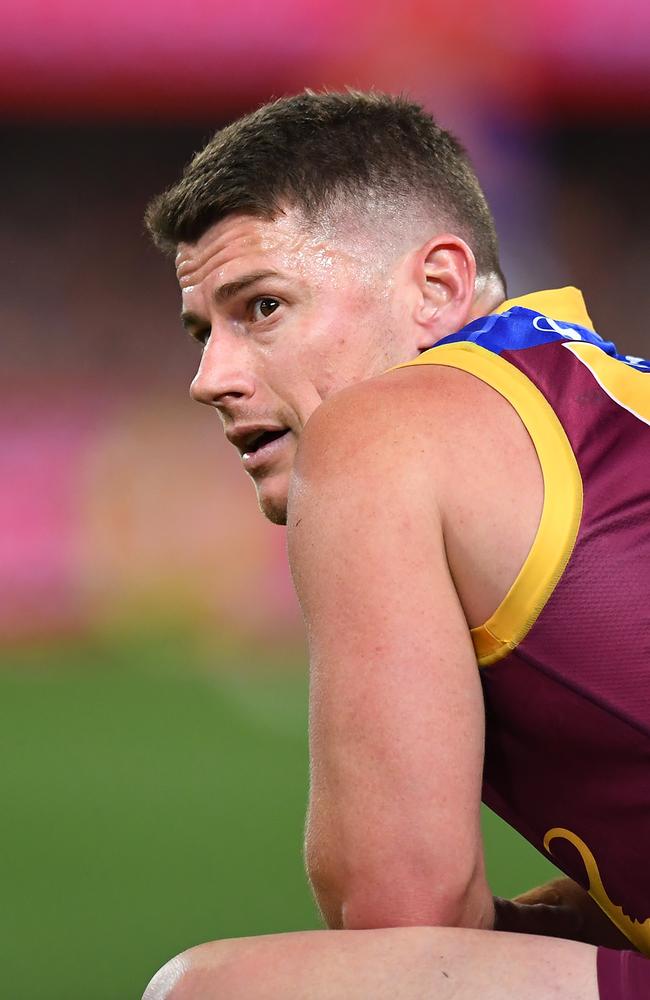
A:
(263, 448)
(262, 439)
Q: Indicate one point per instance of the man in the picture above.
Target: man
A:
(463, 479)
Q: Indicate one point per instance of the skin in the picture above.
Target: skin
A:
(406, 963)
(393, 846)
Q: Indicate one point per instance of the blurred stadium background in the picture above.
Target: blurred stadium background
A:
(153, 682)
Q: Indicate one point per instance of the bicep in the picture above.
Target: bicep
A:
(396, 711)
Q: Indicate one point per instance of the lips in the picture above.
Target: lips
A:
(263, 449)
(262, 439)
(247, 437)
(258, 443)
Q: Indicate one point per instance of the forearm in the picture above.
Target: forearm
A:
(560, 908)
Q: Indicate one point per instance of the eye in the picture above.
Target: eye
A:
(264, 306)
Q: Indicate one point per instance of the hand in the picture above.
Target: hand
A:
(560, 908)
(548, 919)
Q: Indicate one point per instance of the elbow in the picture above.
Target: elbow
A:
(439, 903)
(464, 898)
(328, 888)
(399, 895)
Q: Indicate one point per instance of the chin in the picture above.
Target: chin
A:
(273, 504)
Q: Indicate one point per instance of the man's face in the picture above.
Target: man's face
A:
(287, 316)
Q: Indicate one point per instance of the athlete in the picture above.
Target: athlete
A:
(465, 481)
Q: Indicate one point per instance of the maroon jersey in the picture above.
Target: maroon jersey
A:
(565, 659)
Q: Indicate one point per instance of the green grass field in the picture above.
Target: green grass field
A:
(150, 803)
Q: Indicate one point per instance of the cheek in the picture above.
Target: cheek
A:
(341, 347)
(346, 360)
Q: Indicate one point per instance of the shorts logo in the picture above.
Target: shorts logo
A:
(637, 932)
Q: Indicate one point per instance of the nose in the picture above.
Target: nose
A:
(225, 372)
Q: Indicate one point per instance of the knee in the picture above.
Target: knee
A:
(184, 976)
(283, 965)
(161, 985)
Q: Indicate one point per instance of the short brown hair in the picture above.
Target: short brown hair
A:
(310, 150)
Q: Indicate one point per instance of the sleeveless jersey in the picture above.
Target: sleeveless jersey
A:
(565, 658)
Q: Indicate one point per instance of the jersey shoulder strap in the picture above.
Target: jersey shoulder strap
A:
(527, 351)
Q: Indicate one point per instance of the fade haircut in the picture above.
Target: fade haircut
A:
(314, 151)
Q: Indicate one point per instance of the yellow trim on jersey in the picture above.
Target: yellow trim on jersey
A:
(561, 303)
(562, 507)
(622, 382)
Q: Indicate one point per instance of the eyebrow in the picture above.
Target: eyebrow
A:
(232, 288)
(229, 291)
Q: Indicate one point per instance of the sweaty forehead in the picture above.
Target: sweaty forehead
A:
(244, 243)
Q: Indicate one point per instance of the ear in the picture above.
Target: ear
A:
(446, 273)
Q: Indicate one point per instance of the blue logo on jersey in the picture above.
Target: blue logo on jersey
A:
(519, 328)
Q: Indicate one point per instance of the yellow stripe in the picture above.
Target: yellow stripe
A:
(562, 507)
(622, 382)
(561, 303)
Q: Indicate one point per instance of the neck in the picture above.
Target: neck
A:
(489, 295)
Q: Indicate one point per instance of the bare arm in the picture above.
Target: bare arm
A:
(396, 710)
(561, 908)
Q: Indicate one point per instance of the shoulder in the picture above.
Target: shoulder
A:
(422, 421)
(427, 454)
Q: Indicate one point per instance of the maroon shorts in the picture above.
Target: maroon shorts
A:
(623, 975)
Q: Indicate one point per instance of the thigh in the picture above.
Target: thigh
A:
(415, 963)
